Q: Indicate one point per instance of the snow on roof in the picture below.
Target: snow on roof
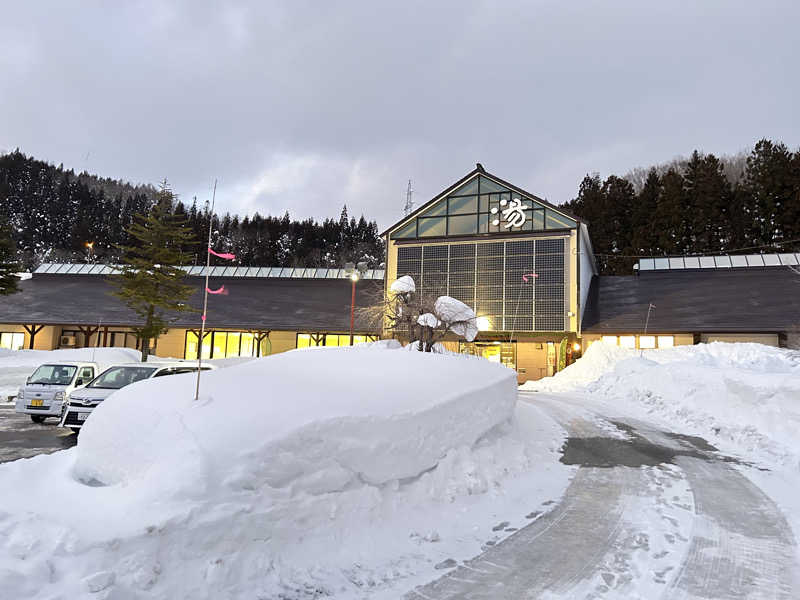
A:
(216, 271)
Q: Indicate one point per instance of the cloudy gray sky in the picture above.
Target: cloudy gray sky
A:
(307, 106)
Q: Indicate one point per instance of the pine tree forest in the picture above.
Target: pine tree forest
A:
(746, 203)
(54, 213)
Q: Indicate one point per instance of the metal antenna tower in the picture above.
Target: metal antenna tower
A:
(409, 200)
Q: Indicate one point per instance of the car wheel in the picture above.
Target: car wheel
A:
(75, 429)
(37, 418)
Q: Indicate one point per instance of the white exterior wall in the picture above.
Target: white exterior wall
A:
(588, 269)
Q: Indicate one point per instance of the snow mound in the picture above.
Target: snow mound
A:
(395, 459)
(746, 395)
(315, 421)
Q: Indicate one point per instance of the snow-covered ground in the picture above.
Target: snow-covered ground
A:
(743, 398)
(346, 472)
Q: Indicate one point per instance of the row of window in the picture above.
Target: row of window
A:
(12, 341)
(642, 342)
(225, 344)
(306, 340)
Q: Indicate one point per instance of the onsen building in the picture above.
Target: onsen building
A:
(524, 265)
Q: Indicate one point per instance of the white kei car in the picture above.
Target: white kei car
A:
(84, 400)
(45, 392)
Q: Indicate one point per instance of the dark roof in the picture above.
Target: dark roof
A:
(267, 303)
(694, 301)
(479, 170)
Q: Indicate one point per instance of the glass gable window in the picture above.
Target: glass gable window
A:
(482, 206)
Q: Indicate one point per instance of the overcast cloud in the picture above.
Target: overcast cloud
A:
(305, 106)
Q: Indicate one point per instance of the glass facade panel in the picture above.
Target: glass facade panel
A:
(463, 206)
(610, 339)
(437, 210)
(627, 341)
(246, 345)
(471, 187)
(557, 221)
(488, 185)
(463, 224)
(432, 226)
(219, 343)
(406, 231)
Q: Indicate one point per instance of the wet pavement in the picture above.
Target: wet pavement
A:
(649, 514)
(22, 438)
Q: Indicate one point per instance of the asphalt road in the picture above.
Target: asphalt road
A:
(649, 514)
(22, 438)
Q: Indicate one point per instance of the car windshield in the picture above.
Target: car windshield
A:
(53, 374)
(118, 377)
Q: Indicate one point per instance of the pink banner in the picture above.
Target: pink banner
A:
(525, 277)
(223, 255)
(221, 290)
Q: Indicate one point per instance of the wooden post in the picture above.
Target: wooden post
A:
(259, 335)
(32, 330)
(105, 336)
(87, 332)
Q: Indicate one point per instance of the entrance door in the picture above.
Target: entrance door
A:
(499, 352)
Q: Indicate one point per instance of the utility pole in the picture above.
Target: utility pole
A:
(409, 206)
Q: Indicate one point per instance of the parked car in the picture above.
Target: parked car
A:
(84, 401)
(46, 390)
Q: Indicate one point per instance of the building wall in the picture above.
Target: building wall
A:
(531, 361)
(769, 339)
(679, 339)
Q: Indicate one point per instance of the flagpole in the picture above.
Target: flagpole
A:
(205, 294)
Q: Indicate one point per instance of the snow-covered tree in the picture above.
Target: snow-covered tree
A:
(425, 321)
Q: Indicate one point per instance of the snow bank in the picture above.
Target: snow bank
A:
(397, 460)
(325, 419)
(17, 365)
(744, 394)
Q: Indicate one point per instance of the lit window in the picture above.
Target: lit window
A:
(233, 344)
(627, 341)
(12, 341)
(610, 339)
(333, 340)
(247, 348)
(666, 341)
(219, 338)
(303, 340)
(647, 341)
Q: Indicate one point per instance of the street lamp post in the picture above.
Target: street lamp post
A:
(353, 278)
(355, 272)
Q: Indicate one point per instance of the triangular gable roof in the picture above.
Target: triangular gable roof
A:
(479, 170)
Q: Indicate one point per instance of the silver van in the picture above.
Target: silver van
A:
(46, 390)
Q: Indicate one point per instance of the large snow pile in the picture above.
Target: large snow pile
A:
(745, 394)
(318, 472)
(17, 365)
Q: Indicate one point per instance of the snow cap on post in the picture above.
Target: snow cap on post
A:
(404, 285)
(459, 318)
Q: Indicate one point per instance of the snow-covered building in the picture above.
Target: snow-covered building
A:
(266, 310)
(526, 267)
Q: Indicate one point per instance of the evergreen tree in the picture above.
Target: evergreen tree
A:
(8, 264)
(150, 282)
